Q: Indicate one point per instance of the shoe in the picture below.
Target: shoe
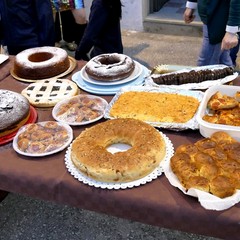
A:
(71, 46)
(57, 44)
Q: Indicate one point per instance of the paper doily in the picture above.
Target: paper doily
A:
(153, 175)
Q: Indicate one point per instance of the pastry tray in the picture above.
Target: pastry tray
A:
(191, 124)
(197, 86)
(207, 200)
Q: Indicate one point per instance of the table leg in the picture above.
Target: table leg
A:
(3, 194)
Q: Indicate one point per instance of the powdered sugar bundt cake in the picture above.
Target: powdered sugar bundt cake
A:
(41, 62)
(110, 67)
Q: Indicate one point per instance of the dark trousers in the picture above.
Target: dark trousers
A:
(71, 30)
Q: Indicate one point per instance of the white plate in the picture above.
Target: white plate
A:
(3, 58)
(107, 90)
(135, 74)
(150, 177)
(195, 86)
(100, 107)
(22, 129)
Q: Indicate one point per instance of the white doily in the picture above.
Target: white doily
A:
(153, 175)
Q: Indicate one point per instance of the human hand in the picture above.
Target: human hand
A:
(229, 41)
(188, 15)
(79, 15)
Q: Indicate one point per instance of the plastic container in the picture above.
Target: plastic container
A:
(207, 129)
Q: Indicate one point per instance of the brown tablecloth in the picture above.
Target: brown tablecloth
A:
(156, 203)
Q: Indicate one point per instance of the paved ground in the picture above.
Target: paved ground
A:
(24, 218)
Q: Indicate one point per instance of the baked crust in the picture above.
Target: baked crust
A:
(155, 107)
(90, 156)
(214, 167)
(46, 93)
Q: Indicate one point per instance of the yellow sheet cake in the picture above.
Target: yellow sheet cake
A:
(155, 107)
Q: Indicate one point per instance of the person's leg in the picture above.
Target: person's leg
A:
(225, 58)
(68, 24)
(80, 23)
(206, 51)
(234, 52)
(212, 54)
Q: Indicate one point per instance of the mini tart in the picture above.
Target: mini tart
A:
(46, 93)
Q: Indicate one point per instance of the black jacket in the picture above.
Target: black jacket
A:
(26, 24)
(217, 14)
(103, 32)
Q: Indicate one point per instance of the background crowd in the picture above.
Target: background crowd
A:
(34, 23)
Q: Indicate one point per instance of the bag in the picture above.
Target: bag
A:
(63, 5)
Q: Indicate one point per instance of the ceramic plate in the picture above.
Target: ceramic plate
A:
(50, 139)
(80, 110)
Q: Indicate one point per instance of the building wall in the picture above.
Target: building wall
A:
(133, 13)
(132, 18)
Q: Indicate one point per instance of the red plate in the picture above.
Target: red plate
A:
(32, 119)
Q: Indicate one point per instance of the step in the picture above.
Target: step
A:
(172, 27)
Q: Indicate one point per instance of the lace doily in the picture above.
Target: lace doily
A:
(153, 175)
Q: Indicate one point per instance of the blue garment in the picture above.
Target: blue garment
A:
(103, 32)
(234, 52)
(60, 5)
(26, 24)
(211, 53)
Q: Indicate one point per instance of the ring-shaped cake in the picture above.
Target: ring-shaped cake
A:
(110, 67)
(90, 155)
(41, 62)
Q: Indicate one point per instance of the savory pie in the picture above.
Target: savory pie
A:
(155, 107)
(46, 93)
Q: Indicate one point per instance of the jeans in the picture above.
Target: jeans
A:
(211, 54)
(234, 52)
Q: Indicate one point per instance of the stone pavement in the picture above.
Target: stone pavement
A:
(151, 49)
(24, 218)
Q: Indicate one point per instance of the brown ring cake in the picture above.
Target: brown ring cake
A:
(110, 67)
(89, 150)
(41, 62)
(14, 111)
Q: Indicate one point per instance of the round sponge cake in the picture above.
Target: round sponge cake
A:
(14, 111)
(41, 63)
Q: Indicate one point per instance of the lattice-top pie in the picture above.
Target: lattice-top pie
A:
(48, 92)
